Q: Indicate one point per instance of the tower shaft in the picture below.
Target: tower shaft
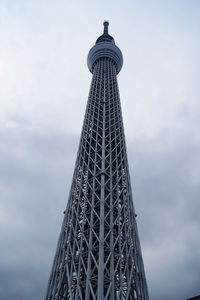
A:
(98, 254)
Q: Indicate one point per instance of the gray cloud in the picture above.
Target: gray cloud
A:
(166, 196)
(33, 196)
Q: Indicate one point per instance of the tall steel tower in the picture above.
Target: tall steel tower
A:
(98, 254)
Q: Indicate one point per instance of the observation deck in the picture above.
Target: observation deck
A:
(105, 47)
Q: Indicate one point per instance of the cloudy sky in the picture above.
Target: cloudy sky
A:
(44, 84)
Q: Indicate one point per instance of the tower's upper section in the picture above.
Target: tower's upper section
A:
(105, 47)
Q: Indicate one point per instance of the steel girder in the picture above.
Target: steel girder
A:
(98, 254)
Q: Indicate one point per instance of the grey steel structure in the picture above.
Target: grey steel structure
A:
(98, 254)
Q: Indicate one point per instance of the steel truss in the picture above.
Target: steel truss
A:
(98, 254)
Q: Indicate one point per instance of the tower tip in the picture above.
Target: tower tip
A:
(105, 24)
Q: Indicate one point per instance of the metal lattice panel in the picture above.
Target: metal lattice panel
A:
(98, 254)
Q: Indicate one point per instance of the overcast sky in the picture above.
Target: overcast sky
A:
(44, 84)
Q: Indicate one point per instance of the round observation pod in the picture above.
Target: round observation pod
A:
(105, 47)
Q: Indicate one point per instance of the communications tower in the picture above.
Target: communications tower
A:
(98, 255)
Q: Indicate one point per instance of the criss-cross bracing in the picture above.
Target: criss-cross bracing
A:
(98, 254)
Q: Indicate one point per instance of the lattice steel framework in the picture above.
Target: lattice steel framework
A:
(98, 254)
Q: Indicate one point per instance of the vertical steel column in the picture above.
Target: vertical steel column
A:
(102, 199)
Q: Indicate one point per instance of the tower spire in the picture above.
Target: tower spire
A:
(105, 24)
